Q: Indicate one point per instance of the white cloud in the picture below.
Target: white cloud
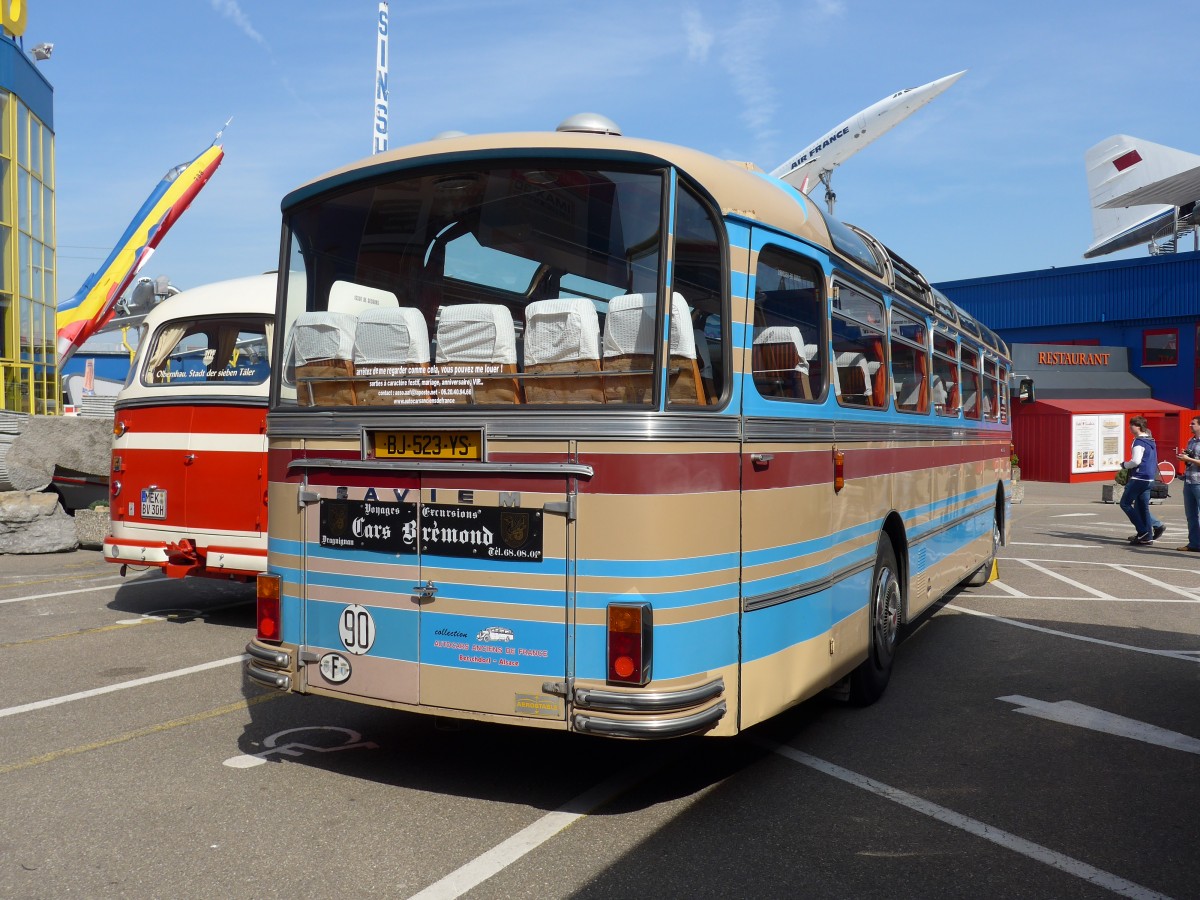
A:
(232, 11)
(743, 60)
(699, 37)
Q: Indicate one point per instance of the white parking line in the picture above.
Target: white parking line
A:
(120, 686)
(1063, 863)
(1070, 581)
(1068, 712)
(529, 838)
(1128, 570)
(1043, 544)
(1008, 589)
(1017, 596)
(1186, 655)
(100, 587)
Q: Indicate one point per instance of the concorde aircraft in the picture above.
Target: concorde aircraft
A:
(818, 160)
(1141, 192)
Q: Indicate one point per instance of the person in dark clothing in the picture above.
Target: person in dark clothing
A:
(1143, 470)
(1191, 488)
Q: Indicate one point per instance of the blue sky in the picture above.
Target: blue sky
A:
(987, 179)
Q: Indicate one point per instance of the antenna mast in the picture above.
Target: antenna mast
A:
(379, 136)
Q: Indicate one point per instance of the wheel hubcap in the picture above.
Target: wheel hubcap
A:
(886, 610)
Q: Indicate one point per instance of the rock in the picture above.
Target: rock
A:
(33, 522)
(75, 443)
(91, 527)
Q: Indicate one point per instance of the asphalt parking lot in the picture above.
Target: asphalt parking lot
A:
(1040, 738)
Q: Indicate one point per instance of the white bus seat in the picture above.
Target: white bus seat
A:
(323, 347)
(562, 337)
(910, 400)
(779, 362)
(854, 379)
(391, 349)
(477, 348)
(629, 340)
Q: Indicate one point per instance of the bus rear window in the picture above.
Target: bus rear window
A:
(501, 285)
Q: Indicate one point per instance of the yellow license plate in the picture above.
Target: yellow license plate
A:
(428, 444)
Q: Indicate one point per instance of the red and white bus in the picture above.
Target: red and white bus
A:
(189, 483)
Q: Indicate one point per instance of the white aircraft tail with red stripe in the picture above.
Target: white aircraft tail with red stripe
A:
(1137, 189)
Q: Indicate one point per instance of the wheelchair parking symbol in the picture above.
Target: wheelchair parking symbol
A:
(331, 735)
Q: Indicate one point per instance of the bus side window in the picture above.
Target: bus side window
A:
(910, 363)
(788, 341)
(944, 391)
(859, 349)
(970, 382)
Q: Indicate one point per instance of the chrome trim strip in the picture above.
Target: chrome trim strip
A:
(983, 507)
(657, 701)
(514, 425)
(275, 680)
(395, 465)
(651, 728)
(785, 595)
(761, 429)
(175, 400)
(625, 426)
(795, 592)
(280, 659)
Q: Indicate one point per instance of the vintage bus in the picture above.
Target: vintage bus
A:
(585, 432)
(189, 482)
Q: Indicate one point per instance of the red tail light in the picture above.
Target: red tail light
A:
(630, 644)
(839, 471)
(268, 608)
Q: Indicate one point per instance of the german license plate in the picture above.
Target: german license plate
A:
(154, 504)
(428, 444)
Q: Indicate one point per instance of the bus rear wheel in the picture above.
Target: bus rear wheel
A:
(981, 575)
(868, 681)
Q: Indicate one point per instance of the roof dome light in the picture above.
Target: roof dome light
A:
(589, 123)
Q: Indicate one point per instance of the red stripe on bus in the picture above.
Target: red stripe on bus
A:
(650, 473)
(194, 419)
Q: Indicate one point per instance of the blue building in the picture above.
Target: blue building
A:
(1151, 306)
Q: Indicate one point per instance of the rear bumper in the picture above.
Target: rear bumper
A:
(646, 716)
(181, 558)
(271, 666)
(649, 715)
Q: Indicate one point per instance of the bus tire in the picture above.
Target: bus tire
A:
(980, 576)
(884, 608)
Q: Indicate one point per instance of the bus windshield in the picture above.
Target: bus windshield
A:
(502, 284)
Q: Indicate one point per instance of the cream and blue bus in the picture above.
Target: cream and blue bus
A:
(579, 431)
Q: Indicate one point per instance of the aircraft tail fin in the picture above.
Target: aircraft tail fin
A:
(1131, 188)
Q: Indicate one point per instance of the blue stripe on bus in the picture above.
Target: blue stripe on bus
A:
(776, 628)
(520, 651)
(290, 617)
(458, 590)
(396, 630)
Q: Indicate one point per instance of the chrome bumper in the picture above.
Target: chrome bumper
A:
(651, 728)
(266, 663)
(639, 715)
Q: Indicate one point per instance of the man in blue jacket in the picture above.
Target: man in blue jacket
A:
(1143, 471)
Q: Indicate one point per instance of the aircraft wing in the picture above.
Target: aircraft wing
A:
(1179, 189)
